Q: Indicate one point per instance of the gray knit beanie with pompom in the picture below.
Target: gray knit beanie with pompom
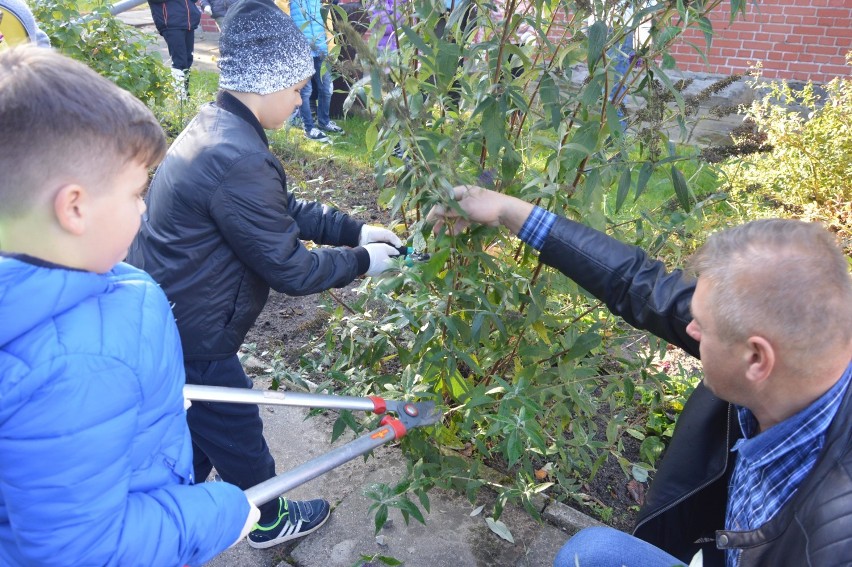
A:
(261, 50)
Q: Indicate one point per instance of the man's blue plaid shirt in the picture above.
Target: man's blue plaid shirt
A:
(771, 465)
(537, 227)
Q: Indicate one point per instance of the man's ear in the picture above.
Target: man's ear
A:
(761, 359)
(69, 207)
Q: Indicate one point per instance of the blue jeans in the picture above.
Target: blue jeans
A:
(323, 84)
(228, 436)
(608, 547)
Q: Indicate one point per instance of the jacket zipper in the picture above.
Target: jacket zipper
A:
(698, 488)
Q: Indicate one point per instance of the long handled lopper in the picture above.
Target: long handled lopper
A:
(410, 414)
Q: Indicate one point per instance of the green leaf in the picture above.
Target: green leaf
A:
(644, 175)
(623, 189)
(416, 40)
(376, 84)
(597, 40)
(500, 529)
(681, 188)
(651, 448)
(337, 429)
(549, 94)
(707, 29)
(435, 264)
(493, 125)
(371, 135)
(510, 164)
(381, 517)
(448, 63)
(593, 91)
(640, 474)
(410, 507)
(513, 447)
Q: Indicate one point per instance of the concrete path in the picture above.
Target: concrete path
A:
(450, 538)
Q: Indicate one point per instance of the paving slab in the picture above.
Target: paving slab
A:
(451, 536)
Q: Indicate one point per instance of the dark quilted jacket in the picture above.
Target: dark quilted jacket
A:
(221, 229)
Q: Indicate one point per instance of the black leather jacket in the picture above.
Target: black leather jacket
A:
(685, 506)
(221, 229)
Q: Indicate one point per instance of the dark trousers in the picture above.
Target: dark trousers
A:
(181, 44)
(228, 436)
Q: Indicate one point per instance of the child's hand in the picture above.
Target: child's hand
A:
(370, 233)
(251, 520)
(380, 257)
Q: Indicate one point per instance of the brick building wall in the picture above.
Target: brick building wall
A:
(794, 39)
(208, 24)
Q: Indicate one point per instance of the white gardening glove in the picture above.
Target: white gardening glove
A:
(370, 233)
(208, 10)
(380, 257)
(251, 520)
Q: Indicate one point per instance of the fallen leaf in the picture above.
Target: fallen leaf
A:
(636, 490)
(500, 529)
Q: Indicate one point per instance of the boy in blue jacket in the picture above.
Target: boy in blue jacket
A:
(222, 229)
(95, 453)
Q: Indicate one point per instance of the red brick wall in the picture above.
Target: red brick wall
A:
(207, 24)
(794, 39)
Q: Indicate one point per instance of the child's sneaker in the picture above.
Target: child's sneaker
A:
(317, 135)
(295, 519)
(331, 128)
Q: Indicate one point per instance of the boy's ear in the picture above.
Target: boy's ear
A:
(69, 207)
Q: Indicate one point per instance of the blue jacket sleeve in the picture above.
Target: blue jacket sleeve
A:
(67, 484)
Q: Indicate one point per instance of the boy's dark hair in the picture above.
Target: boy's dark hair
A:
(63, 123)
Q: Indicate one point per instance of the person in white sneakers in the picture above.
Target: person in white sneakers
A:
(308, 16)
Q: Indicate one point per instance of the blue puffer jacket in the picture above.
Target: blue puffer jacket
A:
(95, 453)
(307, 16)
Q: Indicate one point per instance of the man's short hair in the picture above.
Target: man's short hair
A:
(63, 123)
(782, 279)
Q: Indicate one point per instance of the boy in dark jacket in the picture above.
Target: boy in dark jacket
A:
(176, 21)
(95, 453)
(758, 470)
(222, 228)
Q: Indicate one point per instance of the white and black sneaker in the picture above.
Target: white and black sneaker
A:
(317, 135)
(296, 518)
(331, 128)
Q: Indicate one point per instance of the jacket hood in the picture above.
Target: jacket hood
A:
(32, 291)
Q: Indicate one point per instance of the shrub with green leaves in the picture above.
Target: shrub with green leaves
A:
(536, 378)
(805, 170)
(113, 49)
